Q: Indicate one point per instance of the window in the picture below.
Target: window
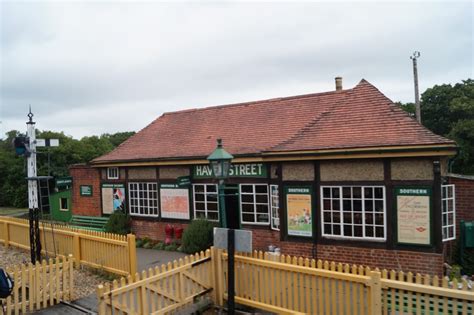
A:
(353, 212)
(254, 204)
(63, 204)
(112, 173)
(206, 201)
(143, 199)
(275, 207)
(448, 204)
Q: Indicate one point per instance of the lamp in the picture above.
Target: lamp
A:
(220, 162)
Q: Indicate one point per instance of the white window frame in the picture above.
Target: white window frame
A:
(112, 173)
(255, 203)
(275, 208)
(61, 206)
(148, 190)
(445, 211)
(364, 225)
(206, 210)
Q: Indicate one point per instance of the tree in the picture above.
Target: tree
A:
(52, 161)
(449, 111)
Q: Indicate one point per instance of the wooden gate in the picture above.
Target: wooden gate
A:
(160, 290)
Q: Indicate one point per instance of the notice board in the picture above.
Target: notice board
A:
(413, 209)
(174, 201)
(113, 198)
(299, 210)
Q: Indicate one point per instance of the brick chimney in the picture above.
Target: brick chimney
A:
(338, 83)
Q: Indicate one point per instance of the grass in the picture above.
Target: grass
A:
(10, 210)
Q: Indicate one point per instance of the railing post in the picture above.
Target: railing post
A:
(76, 249)
(100, 299)
(219, 279)
(7, 233)
(213, 272)
(132, 254)
(376, 293)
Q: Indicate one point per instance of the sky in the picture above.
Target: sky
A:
(94, 67)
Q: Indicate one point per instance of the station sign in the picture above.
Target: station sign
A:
(236, 170)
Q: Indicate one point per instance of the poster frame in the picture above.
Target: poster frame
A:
(309, 187)
(430, 214)
(175, 185)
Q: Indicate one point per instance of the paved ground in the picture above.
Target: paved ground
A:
(146, 258)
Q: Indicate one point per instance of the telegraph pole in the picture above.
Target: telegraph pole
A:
(35, 242)
(414, 58)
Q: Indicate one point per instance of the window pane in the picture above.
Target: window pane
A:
(336, 229)
(199, 197)
(262, 208)
(356, 192)
(379, 232)
(213, 216)
(261, 189)
(200, 206)
(379, 205)
(369, 231)
(326, 192)
(199, 188)
(369, 206)
(327, 229)
(211, 188)
(378, 192)
(368, 192)
(212, 206)
(347, 230)
(369, 218)
(247, 207)
(262, 198)
(246, 188)
(336, 205)
(346, 192)
(335, 192)
(262, 218)
(248, 217)
(248, 198)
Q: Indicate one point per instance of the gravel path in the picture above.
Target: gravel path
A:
(85, 282)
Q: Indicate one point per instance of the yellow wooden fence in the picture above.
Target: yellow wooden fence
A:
(39, 286)
(161, 290)
(111, 252)
(286, 285)
(293, 285)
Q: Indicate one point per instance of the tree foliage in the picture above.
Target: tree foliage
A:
(13, 186)
(448, 111)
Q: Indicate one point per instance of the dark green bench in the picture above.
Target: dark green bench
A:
(89, 223)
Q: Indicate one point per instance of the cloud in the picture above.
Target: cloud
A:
(89, 68)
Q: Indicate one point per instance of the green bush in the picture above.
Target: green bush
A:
(159, 246)
(197, 236)
(119, 223)
(171, 247)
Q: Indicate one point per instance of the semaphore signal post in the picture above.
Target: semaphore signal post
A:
(26, 146)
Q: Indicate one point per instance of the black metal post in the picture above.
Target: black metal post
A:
(231, 275)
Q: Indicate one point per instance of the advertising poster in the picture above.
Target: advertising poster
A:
(413, 215)
(174, 201)
(113, 198)
(299, 211)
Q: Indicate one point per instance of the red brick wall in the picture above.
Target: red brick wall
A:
(430, 263)
(152, 229)
(464, 198)
(82, 205)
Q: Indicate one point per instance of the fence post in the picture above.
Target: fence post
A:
(376, 293)
(132, 254)
(7, 233)
(219, 278)
(76, 249)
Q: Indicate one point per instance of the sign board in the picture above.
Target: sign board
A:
(113, 198)
(236, 170)
(63, 181)
(184, 181)
(413, 207)
(299, 210)
(242, 238)
(174, 201)
(85, 190)
(47, 142)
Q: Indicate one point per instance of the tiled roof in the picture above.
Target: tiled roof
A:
(361, 117)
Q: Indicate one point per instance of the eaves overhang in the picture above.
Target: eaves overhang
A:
(298, 155)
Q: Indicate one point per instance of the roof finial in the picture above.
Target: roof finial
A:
(30, 116)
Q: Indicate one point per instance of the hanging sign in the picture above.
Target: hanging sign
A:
(113, 198)
(174, 201)
(63, 182)
(236, 170)
(299, 210)
(413, 205)
(184, 181)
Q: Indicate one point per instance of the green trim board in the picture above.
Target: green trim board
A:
(174, 202)
(236, 170)
(113, 198)
(413, 213)
(85, 190)
(299, 210)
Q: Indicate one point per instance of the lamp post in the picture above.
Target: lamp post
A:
(220, 161)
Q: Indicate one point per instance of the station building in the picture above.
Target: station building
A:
(344, 175)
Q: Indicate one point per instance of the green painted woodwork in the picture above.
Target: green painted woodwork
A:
(89, 223)
(60, 203)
